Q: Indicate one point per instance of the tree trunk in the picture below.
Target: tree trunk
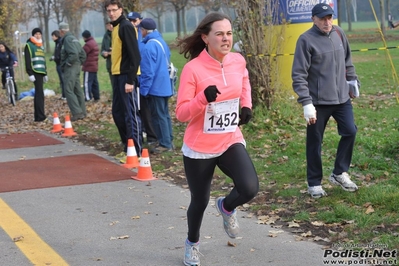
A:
(183, 19)
(382, 8)
(251, 32)
(348, 14)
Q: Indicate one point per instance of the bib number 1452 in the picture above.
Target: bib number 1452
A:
(221, 117)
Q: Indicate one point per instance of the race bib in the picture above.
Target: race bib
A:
(221, 117)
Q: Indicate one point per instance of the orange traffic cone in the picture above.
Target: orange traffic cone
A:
(145, 171)
(68, 132)
(132, 161)
(56, 124)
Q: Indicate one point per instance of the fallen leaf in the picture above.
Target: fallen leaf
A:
(18, 238)
(307, 234)
(230, 244)
(293, 224)
(317, 238)
(276, 231)
(118, 237)
(317, 223)
(370, 209)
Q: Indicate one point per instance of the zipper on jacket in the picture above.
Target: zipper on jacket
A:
(224, 78)
(336, 65)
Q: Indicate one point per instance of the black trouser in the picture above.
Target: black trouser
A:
(126, 114)
(343, 115)
(236, 164)
(145, 114)
(38, 101)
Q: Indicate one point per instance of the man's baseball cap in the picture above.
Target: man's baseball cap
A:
(321, 10)
(134, 15)
(148, 24)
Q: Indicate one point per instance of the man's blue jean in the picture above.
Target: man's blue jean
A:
(161, 120)
(343, 115)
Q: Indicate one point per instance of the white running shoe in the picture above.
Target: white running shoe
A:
(230, 222)
(316, 192)
(344, 181)
(191, 254)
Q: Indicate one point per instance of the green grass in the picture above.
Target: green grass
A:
(276, 142)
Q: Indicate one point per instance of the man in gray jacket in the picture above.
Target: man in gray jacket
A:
(321, 73)
(72, 57)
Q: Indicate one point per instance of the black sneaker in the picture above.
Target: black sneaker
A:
(77, 117)
(160, 149)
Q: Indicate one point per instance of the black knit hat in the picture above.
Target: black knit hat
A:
(86, 34)
(36, 30)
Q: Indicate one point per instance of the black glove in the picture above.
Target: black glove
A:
(211, 93)
(245, 116)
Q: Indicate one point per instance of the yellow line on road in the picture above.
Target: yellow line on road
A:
(30, 243)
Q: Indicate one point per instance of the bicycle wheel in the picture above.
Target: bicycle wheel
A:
(11, 92)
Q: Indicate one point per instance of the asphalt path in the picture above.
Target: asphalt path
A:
(127, 222)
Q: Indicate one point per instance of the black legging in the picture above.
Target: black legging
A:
(235, 163)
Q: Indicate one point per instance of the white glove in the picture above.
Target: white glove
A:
(309, 112)
(45, 79)
(32, 78)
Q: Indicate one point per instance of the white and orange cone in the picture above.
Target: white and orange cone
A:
(56, 124)
(145, 172)
(68, 132)
(132, 161)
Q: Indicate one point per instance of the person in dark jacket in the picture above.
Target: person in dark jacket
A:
(321, 72)
(35, 65)
(106, 47)
(7, 59)
(55, 35)
(91, 87)
(125, 59)
(72, 57)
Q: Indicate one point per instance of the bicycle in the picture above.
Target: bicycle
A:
(10, 89)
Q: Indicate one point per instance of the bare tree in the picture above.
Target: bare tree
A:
(58, 11)
(209, 5)
(348, 14)
(179, 6)
(382, 8)
(156, 8)
(44, 10)
(257, 40)
(130, 5)
(354, 6)
(73, 11)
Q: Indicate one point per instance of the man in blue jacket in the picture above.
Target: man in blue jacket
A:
(155, 83)
(321, 70)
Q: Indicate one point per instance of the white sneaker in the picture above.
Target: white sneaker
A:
(230, 222)
(316, 192)
(344, 181)
(191, 254)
